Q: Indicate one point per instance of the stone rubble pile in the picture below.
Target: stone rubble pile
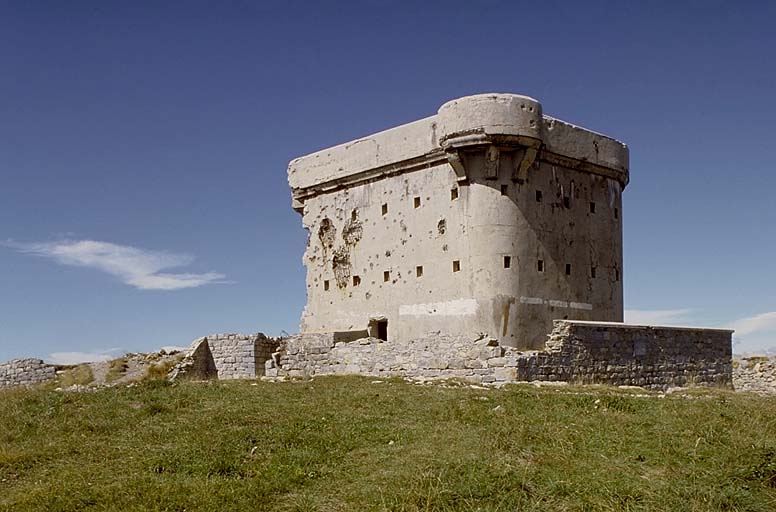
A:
(757, 374)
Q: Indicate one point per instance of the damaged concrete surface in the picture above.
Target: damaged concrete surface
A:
(489, 217)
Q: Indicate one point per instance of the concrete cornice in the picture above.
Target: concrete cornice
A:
(503, 121)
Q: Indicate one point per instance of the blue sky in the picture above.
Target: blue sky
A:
(144, 145)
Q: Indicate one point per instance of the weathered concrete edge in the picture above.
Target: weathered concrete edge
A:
(492, 115)
(645, 326)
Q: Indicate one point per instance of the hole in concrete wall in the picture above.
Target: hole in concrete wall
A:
(356, 280)
(568, 269)
(592, 271)
(327, 233)
(416, 202)
(385, 209)
(538, 196)
(504, 190)
(326, 285)
(540, 265)
(453, 194)
(566, 202)
(386, 276)
(419, 271)
(616, 213)
(507, 261)
(592, 207)
(456, 266)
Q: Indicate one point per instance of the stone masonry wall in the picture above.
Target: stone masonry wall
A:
(226, 356)
(576, 352)
(25, 372)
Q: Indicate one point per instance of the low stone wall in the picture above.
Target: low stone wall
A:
(25, 372)
(226, 356)
(757, 374)
(576, 352)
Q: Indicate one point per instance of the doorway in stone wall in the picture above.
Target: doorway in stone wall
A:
(378, 328)
(382, 330)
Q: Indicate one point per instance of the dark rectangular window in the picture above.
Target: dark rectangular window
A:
(504, 190)
(616, 274)
(385, 209)
(538, 196)
(567, 202)
(453, 194)
(540, 265)
(416, 202)
(419, 271)
(356, 280)
(326, 285)
(568, 269)
(592, 271)
(592, 207)
(507, 261)
(386, 276)
(616, 213)
(456, 265)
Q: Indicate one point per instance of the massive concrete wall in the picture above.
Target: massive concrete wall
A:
(487, 218)
(576, 352)
(25, 372)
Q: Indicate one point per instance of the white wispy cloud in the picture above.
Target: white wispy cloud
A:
(755, 334)
(764, 322)
(78, 357)
(136, 267)
(657, 316)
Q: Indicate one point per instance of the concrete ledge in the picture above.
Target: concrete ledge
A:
(498, 119)
(621, 325)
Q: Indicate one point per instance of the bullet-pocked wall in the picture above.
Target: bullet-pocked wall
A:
(487, 218)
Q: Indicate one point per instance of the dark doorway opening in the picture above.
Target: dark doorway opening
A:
(382, 330)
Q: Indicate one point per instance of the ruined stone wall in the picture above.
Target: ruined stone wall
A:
(757, 374)
(226, 356)
(25, 372)
(576, 352)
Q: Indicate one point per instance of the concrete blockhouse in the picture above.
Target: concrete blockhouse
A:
(488, 217)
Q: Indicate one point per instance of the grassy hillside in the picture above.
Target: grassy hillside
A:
(353, 444)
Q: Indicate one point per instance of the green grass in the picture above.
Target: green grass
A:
(77, 375)
(117, 368)
(350, 444)
(159, 371)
